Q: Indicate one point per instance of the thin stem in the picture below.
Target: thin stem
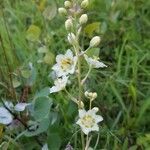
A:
(89, 71)
(72, 98)
(88, 140)
(97, 141)
(83, 52)
(90, 104)
(82, 140)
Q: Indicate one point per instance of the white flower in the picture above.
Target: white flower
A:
(59, 84)
(88, 120)
(94, 62)
(5, 116)
(65, 64)
(21, 106)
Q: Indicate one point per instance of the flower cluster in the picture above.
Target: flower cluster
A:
(70, 63)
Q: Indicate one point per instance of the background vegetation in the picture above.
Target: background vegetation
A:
(32, 34)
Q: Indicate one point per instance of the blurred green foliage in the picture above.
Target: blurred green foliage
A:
(32, 32)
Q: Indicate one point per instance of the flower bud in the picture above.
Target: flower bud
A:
(90, 95)
(96, 109)
(95, 41)
(62, 11)
(72, 38)
(94, 95)
(83, 19)
(81, 104)
(67, 4)
(68, 24)
(84, 3)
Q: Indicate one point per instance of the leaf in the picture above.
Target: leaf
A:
(33, 33)
(5, 116)
(50, 11)
(40, 127)
(41, 5)
(93, 52)
(16, 83)
(21, 106)
(42, 107)
(91, 28)
(49, 58)
(43, 92)
(142, 111)
(54, 138)
(26, 73)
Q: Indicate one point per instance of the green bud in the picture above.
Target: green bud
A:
(95, 41)
(67, 4)
(68, 24)
(62, 11)
(83, 19)
(84, 3)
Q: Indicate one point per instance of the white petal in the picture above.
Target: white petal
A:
(5, 116)
(21, 106)
(82, 113)
(98, 118)
(79, 122)
(100, 65)
(86, 130)
(95, 128)
(69, 54)
(54, 89)
(59, 58)
(55, 67)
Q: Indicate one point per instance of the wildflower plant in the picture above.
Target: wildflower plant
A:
(70, 64)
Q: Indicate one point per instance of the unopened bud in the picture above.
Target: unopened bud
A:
(72, 38)
(95, 41)
(68, 24)
(62, 11)
(67, 4)
(83, 19)
(96, 109)
(85, 3)
(81, 104)
(94, 95)
(90, 95)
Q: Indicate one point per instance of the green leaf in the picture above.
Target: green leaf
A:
(54, 139)
(42, 93)
(26, 73)
(90, 29)
(42, 107)
(42, 126)
(16, 83)
(49, 58)
(33, 33)
(93, 52)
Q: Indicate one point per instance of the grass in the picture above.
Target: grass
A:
(123, 88)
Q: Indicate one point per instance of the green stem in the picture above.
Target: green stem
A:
(83, 81)
(72, 98)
